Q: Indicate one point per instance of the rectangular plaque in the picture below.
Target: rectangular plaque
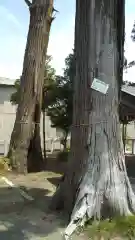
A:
(99, 86)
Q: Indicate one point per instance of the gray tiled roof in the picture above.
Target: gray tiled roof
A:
(10, 82)
(129, 89)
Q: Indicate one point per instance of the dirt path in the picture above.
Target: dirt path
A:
(20, 220)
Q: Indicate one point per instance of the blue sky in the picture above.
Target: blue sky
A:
(14, 20)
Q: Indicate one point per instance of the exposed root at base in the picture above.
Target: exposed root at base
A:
(105, 188)
(121, 200)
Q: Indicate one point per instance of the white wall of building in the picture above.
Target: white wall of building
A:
(7, 119)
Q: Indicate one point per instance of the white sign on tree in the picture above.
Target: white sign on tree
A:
(99, 86)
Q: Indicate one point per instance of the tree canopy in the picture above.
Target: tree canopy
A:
(60, 110)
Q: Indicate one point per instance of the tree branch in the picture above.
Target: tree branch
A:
(54, 10)
(28, 3)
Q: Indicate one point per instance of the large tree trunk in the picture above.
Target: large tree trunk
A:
(25, 139)
(96, 177)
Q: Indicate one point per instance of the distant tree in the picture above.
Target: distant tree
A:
(125, 68)
(133, 32)
(130, 64)
(61, 104)
(49, 83)
(60, 111)
(15, 97)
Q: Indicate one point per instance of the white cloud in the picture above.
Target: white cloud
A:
(5, 13)
(60, 46)
(14, 20)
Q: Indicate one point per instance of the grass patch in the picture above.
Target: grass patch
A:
(4, 164)
(122, 227)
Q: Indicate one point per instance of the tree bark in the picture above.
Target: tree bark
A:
(25, 144)
(96, 176)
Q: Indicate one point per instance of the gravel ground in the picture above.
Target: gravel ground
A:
(24, 220)
(20, 219)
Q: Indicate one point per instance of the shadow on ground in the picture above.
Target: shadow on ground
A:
(53, 165)
(54, 180)
(21, 219)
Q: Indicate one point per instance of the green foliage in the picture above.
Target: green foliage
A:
(132, 63)
(123, 227)
(4, 164)
(49, 85)
(133, 32)
(15, 97)
(60, 111)
(127, 64)
(63, 156)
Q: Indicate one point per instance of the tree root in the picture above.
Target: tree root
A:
(91, 199)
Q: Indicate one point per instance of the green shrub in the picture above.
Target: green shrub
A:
(4, 164)
(63, 156)
(123, 227)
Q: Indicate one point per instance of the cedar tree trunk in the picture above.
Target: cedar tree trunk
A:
(25, 146)
(96, 180)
